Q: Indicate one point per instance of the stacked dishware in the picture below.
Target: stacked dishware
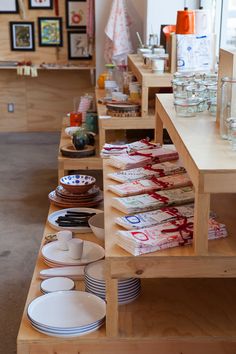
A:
(56, 284)
(95, 283)
(53, 256)
(76, 191)
(67, 313)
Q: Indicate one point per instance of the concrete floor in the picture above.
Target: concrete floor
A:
(28, 172)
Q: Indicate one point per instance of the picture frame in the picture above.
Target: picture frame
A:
(22, 36)
(40, 4)
(9, 7)
(78, 46)
(76, 14)
(50, 31)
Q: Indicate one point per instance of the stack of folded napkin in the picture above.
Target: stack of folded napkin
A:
(173, 233)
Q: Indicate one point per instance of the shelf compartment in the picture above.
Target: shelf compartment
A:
(181, 309)
(220, 260)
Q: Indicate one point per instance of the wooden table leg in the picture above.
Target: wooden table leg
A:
(102, 138)
(201, 217)
(159, 126)
(144, 101)
(112, 327)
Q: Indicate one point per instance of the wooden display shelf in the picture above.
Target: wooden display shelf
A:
(106, 123)
(220, 260)
(65, 164)
(147, 79)
(209, 160)
(186, 319)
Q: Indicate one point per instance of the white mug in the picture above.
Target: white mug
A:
(63, 237)
(202, 22)
(158, 65)
(75, 246)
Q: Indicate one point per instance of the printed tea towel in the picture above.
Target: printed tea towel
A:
(118, 44)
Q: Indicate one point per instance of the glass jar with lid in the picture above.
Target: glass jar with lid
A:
(196, 90)
(228, 105)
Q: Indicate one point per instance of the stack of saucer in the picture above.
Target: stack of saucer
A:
(76, 191)
(128, 289)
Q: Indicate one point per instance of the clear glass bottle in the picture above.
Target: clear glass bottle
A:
(228, 105)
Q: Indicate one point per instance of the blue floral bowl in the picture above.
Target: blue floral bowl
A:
(77, 183)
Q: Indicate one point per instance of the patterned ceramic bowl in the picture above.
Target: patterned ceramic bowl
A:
(77, 183)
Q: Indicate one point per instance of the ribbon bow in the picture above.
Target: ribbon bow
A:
(137, 153)
(161, 183)
(182, 227)
(172, 211)
(159, 170)
(159, 197)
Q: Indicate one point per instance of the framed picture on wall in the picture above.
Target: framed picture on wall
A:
(76, 14)
(22, 36)
(40, 4)
(50, 31)
(9, 7)
(78, 46)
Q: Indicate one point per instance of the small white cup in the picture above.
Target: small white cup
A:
(63, 237)
(75, 248)
(158, 65)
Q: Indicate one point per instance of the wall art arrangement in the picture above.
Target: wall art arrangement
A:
(22, 36)
(40, 4)
(50, 31)
(9, 6)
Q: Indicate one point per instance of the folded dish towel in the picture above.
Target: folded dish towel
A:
(118, 43)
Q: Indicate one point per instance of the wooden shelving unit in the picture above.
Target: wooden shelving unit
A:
(107, 123)
(147, 80)
(180, 309)
(212, 167)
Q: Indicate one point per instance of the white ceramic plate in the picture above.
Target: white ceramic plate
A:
(124, 290)
(53, 217)
(67, 309)
(74, 272)
(63, 335)
(57, 284)
(91, 253)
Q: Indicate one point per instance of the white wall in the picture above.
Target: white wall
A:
(161, 12)
(137, 12)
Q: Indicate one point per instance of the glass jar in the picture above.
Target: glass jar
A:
(186, 107)
(184, 76)
(228, 105)
(196, 90)
(212, 103)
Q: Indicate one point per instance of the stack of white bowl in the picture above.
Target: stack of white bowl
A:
(128, 289)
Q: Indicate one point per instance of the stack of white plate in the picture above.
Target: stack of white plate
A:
(67, 313)
(56, 284)
(54, 257)
(94, 277)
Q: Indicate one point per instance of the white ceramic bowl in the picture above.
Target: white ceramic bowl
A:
(96, 223)
(77, 184)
